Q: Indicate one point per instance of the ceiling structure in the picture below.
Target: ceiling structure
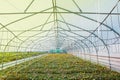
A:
(41, 25)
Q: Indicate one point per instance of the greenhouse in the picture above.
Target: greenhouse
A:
(59, 39)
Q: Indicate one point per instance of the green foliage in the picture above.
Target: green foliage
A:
(11, 56)
(59, 67)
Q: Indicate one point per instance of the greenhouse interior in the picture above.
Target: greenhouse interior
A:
(59, 39)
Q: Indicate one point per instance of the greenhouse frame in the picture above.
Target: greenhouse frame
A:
(32, 29)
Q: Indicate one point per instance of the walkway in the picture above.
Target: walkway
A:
(13, 63)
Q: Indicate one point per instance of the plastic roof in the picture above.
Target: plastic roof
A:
(35, 25)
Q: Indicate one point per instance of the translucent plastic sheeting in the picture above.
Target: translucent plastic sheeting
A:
(77, 26)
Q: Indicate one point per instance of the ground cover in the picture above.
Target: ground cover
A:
(11, 56)
(59, 67)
